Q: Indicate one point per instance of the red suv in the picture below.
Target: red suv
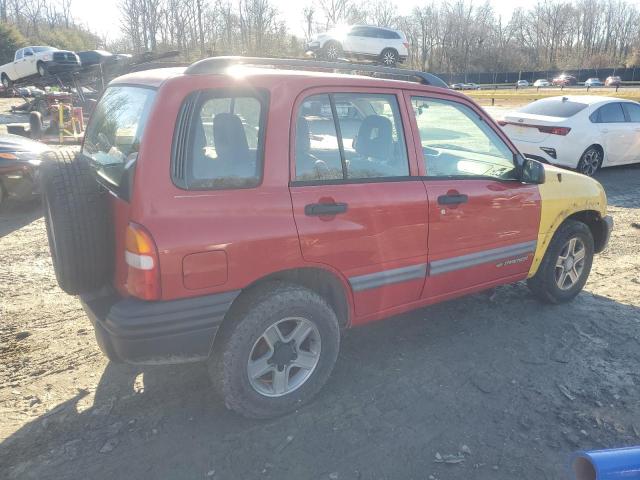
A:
(244, 216)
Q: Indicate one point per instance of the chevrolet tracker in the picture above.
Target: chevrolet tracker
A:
(244, 211)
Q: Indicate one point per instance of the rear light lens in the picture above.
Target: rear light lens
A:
(141, 256)
(555, 130)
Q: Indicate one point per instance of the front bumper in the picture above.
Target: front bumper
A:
(164, 332)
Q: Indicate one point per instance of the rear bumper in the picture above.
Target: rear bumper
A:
(166, 332)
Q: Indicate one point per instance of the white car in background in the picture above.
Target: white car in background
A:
(541, 82)
(579, 131)
(387, 46)
(522, 83)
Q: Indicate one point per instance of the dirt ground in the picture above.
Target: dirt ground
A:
(506, 385)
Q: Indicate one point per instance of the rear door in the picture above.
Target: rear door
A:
(483, 222)
(357, 40)
(359, 206)
(633, 117)
(616, 133)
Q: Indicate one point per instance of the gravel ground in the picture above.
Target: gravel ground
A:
(498, 385)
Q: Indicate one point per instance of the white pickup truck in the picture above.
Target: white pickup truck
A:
(39, 60)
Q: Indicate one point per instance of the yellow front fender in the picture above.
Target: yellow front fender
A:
(564, 193)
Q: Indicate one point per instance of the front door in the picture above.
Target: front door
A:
(483, 222)
(359, 207)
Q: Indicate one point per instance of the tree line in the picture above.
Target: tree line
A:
(459, 36)
(41, 22)
(446, 37)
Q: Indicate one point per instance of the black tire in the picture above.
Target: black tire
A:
(544, 284)
(42, 69)
(389, 57)
(6, 82)
(331, 51)
(77, 221)
(3, 195)
(35, 125)
(590, 161)
(249, 319)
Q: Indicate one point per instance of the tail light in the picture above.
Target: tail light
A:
(555, 130)
(141, 256)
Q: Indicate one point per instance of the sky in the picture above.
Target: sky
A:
(102, 16)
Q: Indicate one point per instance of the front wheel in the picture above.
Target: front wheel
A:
(6, 83)
(566, 264)
(42, 69)
(389, 57)
(331, 51)
(276, 352)
(590, 161)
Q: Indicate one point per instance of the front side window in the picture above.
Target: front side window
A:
(456, 142)
(349, 136)
(115, 131)
(218, 141)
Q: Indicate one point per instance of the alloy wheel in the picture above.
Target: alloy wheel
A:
(389, 58)
(590, 162)
(284, 357)
(332, 52)
(570, 263)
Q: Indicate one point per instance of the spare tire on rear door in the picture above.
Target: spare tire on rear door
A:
(77, 220)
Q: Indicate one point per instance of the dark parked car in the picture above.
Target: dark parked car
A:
(564, 80)
(19, 167)
(95, 57)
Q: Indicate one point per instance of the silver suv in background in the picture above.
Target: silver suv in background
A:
(387, 46)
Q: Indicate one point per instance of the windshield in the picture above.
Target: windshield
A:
(115, 131)
(554, 108)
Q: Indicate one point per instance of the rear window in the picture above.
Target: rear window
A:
(115, 131)
(554, 108)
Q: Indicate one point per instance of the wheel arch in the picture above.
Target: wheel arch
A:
(599, 147)
(592, 219)
(326, 283)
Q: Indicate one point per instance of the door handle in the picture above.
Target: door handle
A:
(453, 199)
(317, 209)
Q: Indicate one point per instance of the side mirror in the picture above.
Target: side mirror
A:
(532, 171)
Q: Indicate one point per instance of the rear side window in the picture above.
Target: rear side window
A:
(609, 113)
(115, 131)
(554, 108)
(349, 136)
(218, 142)
(633, 111)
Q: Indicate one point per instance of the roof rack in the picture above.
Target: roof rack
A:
(219, 64)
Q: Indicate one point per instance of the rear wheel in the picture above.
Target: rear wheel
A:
(3, 195)
(389, 57)
(276, 351)
(566, 264)
(590, 161)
